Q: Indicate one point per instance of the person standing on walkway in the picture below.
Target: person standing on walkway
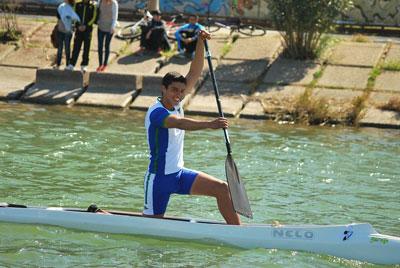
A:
(186, 36)
(108, 16)
(66, 19)
(165, 126)
(87, 12)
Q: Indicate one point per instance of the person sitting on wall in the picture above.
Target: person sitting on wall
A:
(186, 36)
(154, 36)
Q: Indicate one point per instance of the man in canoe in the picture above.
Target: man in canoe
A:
(165, 125)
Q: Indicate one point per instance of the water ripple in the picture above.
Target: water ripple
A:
(75, 157)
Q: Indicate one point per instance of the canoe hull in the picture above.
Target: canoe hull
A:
(353, 241)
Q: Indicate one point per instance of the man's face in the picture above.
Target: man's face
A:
(157, 17)
(192, 20)
(173, 94)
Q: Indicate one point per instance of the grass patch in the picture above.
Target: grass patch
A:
(376, 71)
(45, 20)
(360, 38)
(226, 48)
(325, 45)
(228, 45)
(169, 53)
(317, 75)
(33, 45)
(393, 65)
(358, 105)
(392, 105)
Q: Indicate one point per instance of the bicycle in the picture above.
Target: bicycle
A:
(236, 25)
(133, 31)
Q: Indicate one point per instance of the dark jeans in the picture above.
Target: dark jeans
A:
(158, 39)
(191, 46)
(101, 36)
(64, 39)
(85, 38)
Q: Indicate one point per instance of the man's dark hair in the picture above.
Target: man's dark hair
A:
(155, 12)
(171, 77)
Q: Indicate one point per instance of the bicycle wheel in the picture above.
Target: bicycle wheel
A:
(129, 32)
(212, 28)
(252, 30)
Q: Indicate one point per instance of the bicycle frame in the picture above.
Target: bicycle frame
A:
(146, 17)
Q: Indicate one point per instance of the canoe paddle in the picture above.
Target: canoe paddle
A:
(236, 187)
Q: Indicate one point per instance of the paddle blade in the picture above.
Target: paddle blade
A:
(240, 201)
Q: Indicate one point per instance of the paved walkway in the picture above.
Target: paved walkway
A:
(255, 81)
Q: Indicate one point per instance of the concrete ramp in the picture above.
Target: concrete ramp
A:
(13, 81)
(150, 90)
(110, 90)
(56, 87)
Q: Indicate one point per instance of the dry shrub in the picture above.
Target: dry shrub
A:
(360, 38)
(311, 110)
(392, 105)
(9, 30)
(357, 106)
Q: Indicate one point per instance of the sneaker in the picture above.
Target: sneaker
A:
(140, 52)
(181, 54)
(84, 68)
(99, 69)
(56, 67)
(103, 68)
(70, 67)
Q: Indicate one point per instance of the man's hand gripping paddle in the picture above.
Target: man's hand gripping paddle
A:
(236, 187)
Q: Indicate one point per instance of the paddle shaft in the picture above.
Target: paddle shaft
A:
(216, 91)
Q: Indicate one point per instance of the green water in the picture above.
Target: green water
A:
(58, 156)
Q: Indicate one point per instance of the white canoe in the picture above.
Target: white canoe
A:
(353, 241)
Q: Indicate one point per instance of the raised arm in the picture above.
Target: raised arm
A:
(196, 67)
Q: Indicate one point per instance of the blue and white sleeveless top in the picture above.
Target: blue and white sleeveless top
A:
(165, 144)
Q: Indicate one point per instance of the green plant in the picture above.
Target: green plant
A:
(226, 48)
(326, 43)
(358, 104)
(317, 74)
(169, 53)
(392, 65)
(376, 71)
(9, 23)
(303, 22)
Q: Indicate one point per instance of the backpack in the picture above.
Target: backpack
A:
(54, 36)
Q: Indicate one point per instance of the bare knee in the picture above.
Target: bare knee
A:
(221, 190)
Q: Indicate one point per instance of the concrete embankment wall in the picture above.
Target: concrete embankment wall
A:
(56, 87)
(349, 84)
